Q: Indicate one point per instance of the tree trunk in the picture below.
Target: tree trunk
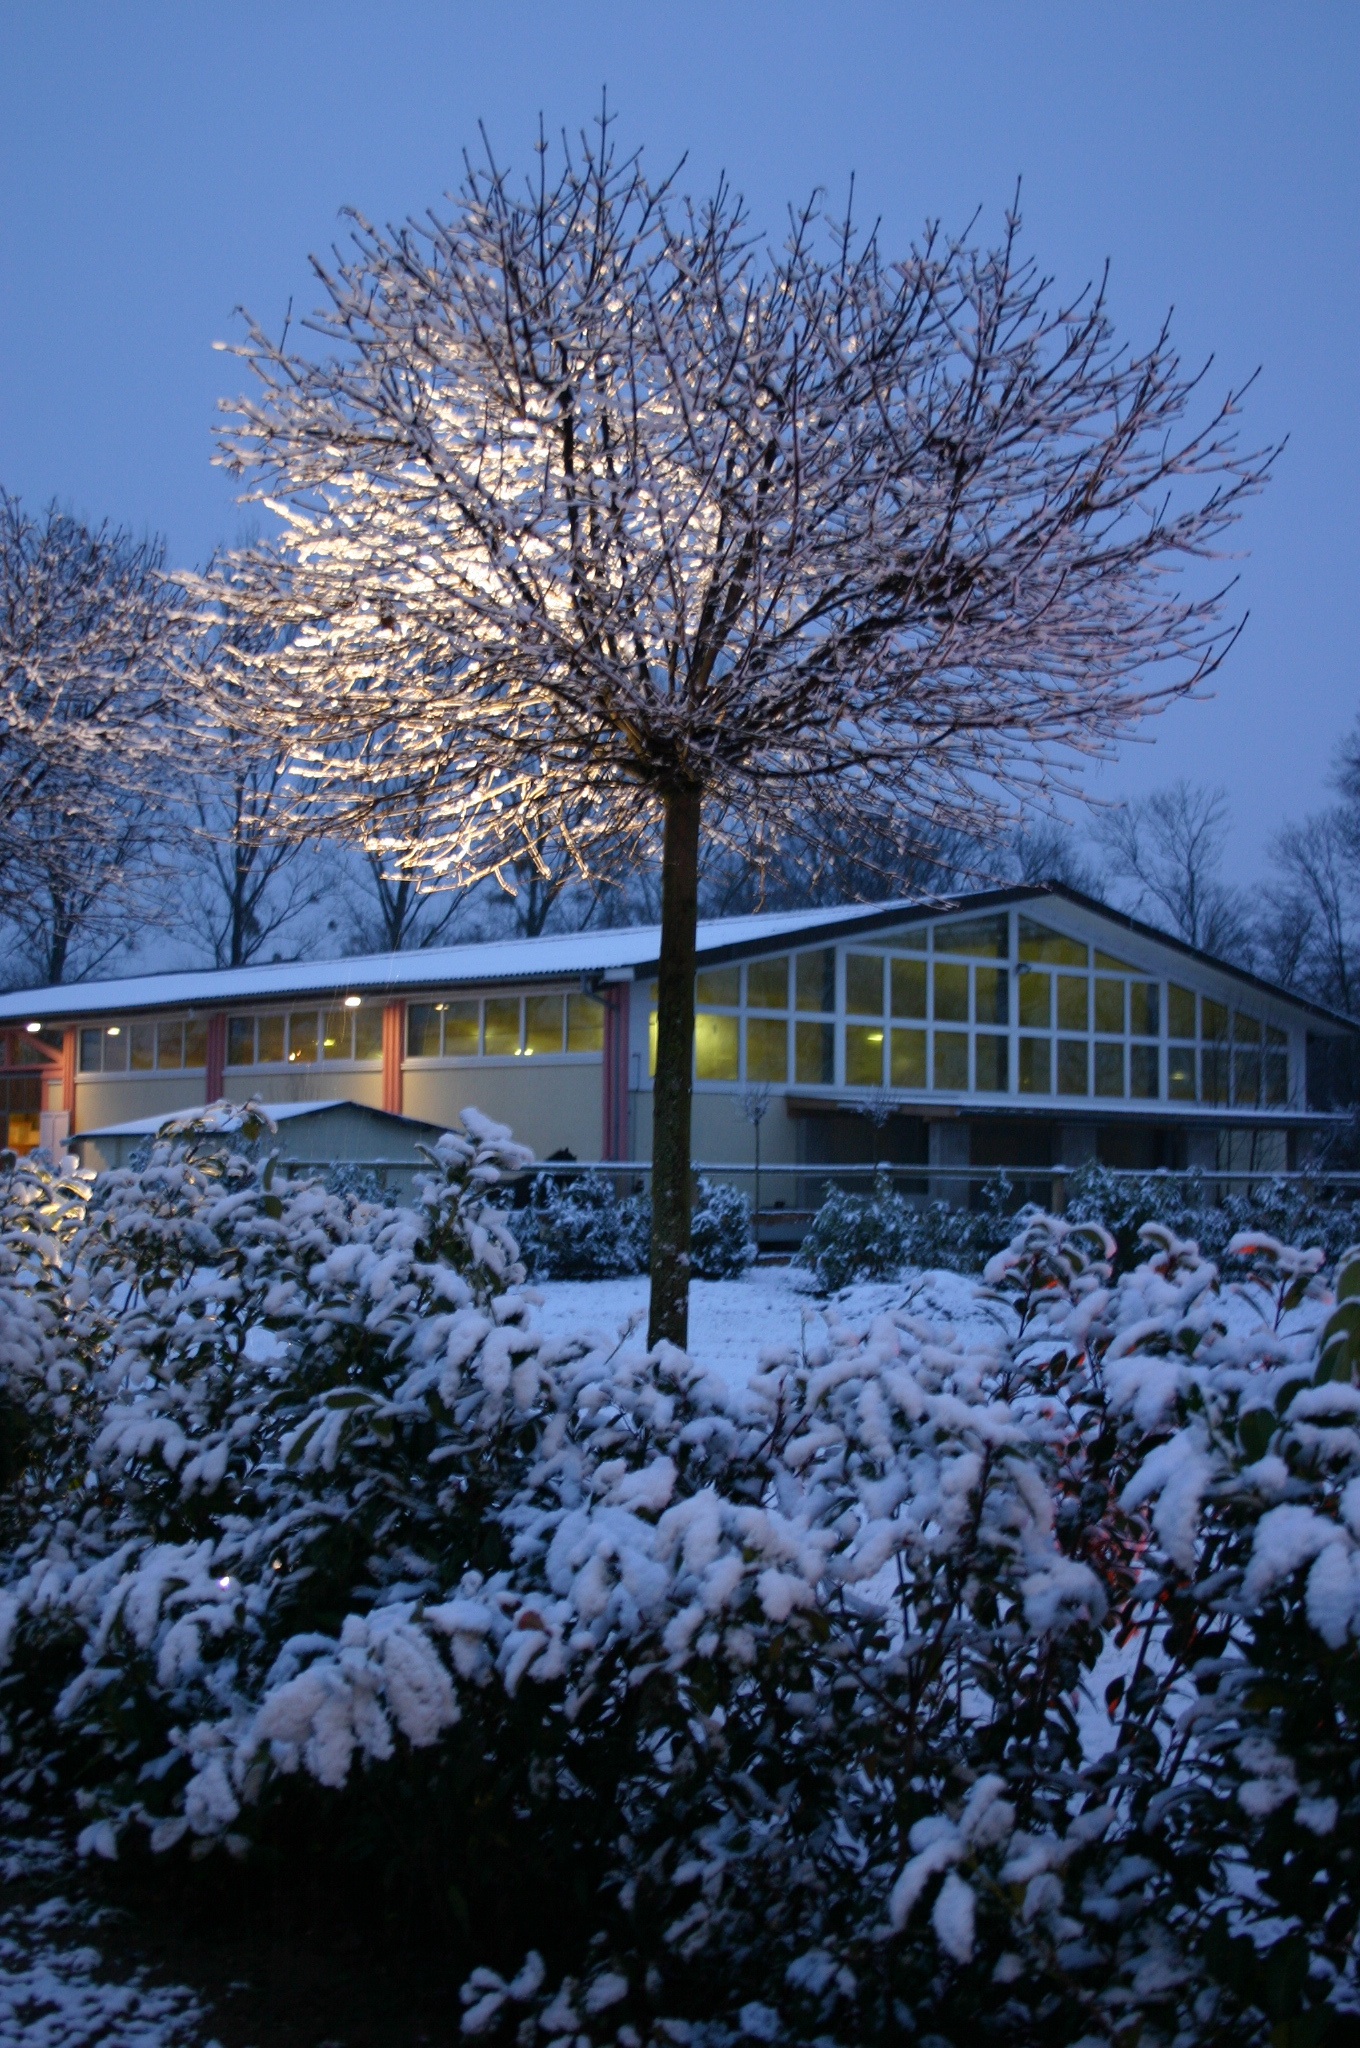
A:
(673, 1088)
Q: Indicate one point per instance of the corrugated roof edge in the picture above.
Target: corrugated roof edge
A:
(574, 955)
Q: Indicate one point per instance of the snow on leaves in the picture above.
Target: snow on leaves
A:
(1039, 1635)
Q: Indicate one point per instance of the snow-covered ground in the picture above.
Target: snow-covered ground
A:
(56, 1990)
(733, 1322)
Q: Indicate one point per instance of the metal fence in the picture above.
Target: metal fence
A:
(780, 1224)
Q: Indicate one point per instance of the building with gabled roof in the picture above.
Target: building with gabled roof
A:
(1022, 1026)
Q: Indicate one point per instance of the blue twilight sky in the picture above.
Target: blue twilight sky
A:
(162, 163)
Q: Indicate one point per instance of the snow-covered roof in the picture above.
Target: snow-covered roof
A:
(612, 953)
(625, 949)
(144, 1127)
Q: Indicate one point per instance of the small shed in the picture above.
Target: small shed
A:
(310, 1134)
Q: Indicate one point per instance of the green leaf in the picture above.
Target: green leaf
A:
(1348, 1273)
(1254, 1431)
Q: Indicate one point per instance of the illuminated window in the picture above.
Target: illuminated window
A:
(1180, 1073)
(368, 1032)
(814, 1054)
(302, 1038)
(543, 1021)
(1074, 1067)
(1180, 1012)
(951, 1060)
(1052, 948)
(1143, 1007)
(337, 1035)
(1036, 1000)
(992, 1054)
(1036, 1066)
(864, 984)
(715, 1047)
(767, 1049)
(501, 1036)
(1143, 1076)
(767, 984)
(908, 988)
(908, 1068)
(951, 993)
(718, 988)
(991, 995)
(864, 1055)
(1074, 1004)
(814, 980)
(585, 1024)
(462, 1030)
(978, 937)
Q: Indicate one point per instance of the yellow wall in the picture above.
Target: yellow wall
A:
(118, 1099)
(545, 1106)
(315, 1084)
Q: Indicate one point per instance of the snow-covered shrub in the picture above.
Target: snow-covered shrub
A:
(722, 1244)
(856, 1237)
(872, 1237)
(42, 1376)
(1290, 1211)
(988, 1677)
(575, 1227)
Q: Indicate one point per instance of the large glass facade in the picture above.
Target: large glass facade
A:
(997, 1006)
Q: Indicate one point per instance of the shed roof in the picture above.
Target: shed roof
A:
(278, 1112)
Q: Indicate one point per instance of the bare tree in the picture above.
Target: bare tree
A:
(87, 623)
(1311, 927)
(1041, 849)
(255, 878)
(253, 874)
(599, 509)
(1168, 849)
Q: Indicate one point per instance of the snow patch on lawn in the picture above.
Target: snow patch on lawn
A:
(732, 1323)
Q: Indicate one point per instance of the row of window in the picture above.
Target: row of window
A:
(500, 1027)
(150, 1043)
(768, 1049)
(952, 991)
(504, 1027)
(496, 1027)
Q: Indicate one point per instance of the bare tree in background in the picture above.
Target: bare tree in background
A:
(87, 624)
(253, 873)
(605, 520)
(1168, 849)
(1049, 850)
(1311, 928)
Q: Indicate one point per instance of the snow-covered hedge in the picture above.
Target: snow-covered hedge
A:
(575, 1227)
(874, 1235)
(871, 1236)
(991, 1678)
